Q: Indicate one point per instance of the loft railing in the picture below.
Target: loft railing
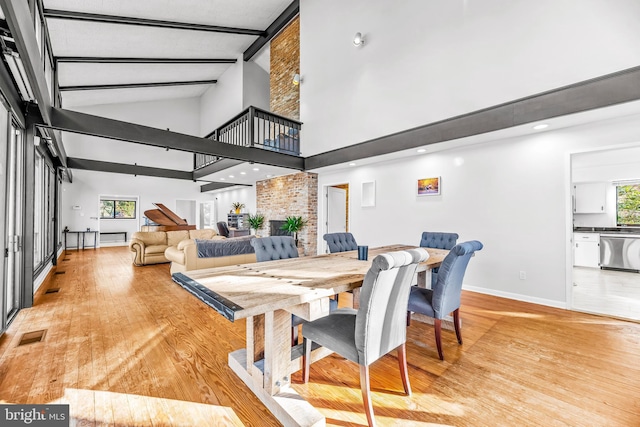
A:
(255, 127)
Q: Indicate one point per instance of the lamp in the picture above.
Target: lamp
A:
(297, 79)
(358, 39)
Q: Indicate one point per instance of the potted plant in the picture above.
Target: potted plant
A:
(256, 221)
(293, 224)
(237, 206)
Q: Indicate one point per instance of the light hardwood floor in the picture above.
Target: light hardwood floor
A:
(608, 292)
(126, 346)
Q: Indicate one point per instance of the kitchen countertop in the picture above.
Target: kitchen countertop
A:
(608, 230)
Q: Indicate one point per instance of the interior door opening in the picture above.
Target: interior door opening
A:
(337, 212)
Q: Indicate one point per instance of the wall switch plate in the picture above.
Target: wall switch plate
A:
(523, 275)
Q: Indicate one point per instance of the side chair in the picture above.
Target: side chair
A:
(282, 247)
(377, 327)
(438, 240)
(444, 295)
(340, 242)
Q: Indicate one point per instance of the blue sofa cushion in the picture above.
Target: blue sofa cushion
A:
(226, 247)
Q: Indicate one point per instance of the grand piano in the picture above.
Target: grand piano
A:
(166, 220)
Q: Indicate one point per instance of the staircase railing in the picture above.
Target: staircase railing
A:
(255, 127)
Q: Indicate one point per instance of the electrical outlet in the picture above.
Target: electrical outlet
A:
(523, 275)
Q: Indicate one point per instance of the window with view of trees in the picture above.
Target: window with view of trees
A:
(628, 204)
(117, 209)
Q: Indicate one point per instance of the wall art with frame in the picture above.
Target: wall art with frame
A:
(429, 186)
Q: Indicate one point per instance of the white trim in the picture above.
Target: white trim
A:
(39, 280)
(517, 297)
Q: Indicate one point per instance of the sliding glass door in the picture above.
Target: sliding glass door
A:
(11, 203)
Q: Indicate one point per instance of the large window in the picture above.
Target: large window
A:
(628, 204)
(117, 209)
(44, 211)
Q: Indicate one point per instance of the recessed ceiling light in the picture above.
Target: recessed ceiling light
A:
(352, 164)
(243, 173)
(231, 176)
(256, 169)
(269, 176)
(422, 150)
(540, 126)
(221, 179)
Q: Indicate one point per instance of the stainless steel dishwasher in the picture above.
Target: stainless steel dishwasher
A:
(620, 251)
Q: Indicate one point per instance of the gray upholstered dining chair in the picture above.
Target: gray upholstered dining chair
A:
(377, 327)
(282, 247)
(438, 240)
(340, 242)
(444, 295)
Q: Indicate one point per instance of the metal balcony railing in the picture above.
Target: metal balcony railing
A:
(255, 127)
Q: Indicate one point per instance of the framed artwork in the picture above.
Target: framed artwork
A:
(429, 186)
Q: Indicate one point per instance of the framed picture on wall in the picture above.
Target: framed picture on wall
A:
(429, 186)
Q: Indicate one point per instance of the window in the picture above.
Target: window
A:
(117, 209)
(628, 204)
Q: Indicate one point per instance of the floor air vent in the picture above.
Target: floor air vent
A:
(60, 272)
(52, 290)
(32, 337)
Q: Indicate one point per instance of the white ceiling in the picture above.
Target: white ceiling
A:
(108, 40)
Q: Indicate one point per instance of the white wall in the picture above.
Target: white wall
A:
(87, 186)
(425, 61)
(255, 88)
(605, 166)
(224, 199)
(223, 100)
(512, 194)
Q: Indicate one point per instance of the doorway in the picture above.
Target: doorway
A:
(186, 209)
(337, 212)
(11, 197)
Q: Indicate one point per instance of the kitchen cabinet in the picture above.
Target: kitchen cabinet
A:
(589, 197)
(586, 250)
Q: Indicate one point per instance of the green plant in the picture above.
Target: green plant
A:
(256, 221)
(293, 224)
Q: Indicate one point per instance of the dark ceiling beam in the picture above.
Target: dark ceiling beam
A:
(87, 124)
(100, 166)
(136, 85)
(18, 16)
(219, 186)
(604, 91)
(218, 166)
(124, 20)
(111, 60)
(280, 22)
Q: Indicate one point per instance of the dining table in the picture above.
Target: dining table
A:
(266, 294)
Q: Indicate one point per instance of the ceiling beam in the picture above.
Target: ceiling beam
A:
(124, 20)
(218, 166)
(87, 124)
(280, 22)
(136, 85)
(604, 91)
(99, 166)
(111, 60)
(18, 16)
(219, 186)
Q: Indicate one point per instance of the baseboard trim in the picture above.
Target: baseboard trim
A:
(517, 297)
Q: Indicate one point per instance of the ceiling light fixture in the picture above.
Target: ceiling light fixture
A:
(231, 176)
(243, 173)
(422, 150)
(221, 179)
(256, 169)
(540, 126)
(297, 79)
(358, 39)
(352, 164)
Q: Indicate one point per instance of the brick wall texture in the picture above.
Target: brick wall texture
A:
(291, 195)
(285, 62)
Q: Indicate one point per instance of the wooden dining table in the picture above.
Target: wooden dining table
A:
(266, 294)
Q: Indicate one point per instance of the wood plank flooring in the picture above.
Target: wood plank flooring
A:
(125, 346)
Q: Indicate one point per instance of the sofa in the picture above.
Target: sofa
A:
(196, 254)
(148, 247)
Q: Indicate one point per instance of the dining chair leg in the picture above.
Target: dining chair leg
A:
(366, 395)
(294, 336)
(408, 318)
(437, 326)
(456, 324)
(306, 359)
(404, 372)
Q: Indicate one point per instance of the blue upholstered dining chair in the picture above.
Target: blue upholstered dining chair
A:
(438, 240)
(444, 295)
(282, 247)
(377, 327)
(340, 242)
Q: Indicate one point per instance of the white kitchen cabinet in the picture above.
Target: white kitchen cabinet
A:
(586, 250)
(589, 197)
